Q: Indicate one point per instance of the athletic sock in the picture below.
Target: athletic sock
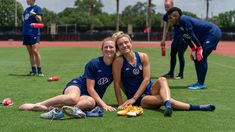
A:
(39, 70)
(194, 107)
(33, 69)
(168, 104)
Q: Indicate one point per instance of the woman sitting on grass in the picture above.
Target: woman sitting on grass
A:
(131, 73)
(84, 92)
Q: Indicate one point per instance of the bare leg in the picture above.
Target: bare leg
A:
(70, 97)
(179, 105)
(160, 87)
(31, 55)
(36, 55)
(86, 103)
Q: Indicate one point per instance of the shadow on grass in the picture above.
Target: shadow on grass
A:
(22, 75)
(178, 87)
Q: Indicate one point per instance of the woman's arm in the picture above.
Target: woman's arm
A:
(91, 90)
(143, 85)
(116, 68)
(146, 75)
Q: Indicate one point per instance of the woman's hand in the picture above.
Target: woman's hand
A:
(127, 103)
(108, 108)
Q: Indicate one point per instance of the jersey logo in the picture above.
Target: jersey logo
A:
(207, 42)
(136, 71)
(103, 81)
(127, 69)
(26, 16)
(99, 71)
(140, 67)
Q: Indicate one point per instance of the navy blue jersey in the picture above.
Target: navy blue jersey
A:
(132, 77)
(165, 18)
(98, 71)
(28, 19)
(195, 29)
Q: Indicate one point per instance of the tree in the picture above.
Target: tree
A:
(226, 20)
(136, 15)
(8, 10)
(87, 5)
(49, 16)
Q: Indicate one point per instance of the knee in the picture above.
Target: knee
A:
(73, 99)
(162, 79)
(91, 102)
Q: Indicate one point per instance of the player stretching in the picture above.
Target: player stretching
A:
(203, 34)
(32, 14)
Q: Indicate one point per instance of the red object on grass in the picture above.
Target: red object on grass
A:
(7, 102)
(37, 25)
(163, 51)
(54, 78)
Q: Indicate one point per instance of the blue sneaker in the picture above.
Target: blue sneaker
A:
(55, 113)
(74, 112)
(197, 86)
(192, 85)
(96, 112)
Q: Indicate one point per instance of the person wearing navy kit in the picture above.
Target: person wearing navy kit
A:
(131, 74)
(31, 36)
(178, 45)
(202, 37)
(84, 92)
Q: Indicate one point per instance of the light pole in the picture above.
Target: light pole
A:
(16, 23)
(117, 15)
(149, 19)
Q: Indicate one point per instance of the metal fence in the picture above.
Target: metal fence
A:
(75, 33)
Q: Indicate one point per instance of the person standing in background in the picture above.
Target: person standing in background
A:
(31, 36)
(177, 46)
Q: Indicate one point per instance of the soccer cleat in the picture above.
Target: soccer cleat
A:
(168, 112)
(131, 111)
(31, 73)
(74, 112)
(125, 111)
(55, 113)
(135, 111)
(191, 85)
(197, 86)
(168, 76)
(40, 74)
(95, 112)
(209, 107)
(179, 77)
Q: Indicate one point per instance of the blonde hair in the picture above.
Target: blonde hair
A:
(116, 34)
(118, 53)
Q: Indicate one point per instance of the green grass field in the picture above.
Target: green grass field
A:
(68, 63)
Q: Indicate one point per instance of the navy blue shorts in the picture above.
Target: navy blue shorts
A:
(30, 39)
(78, 83)
(146, 92)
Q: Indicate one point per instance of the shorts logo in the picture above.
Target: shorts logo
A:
(186, 36)
(136, 71)
(103, 81)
